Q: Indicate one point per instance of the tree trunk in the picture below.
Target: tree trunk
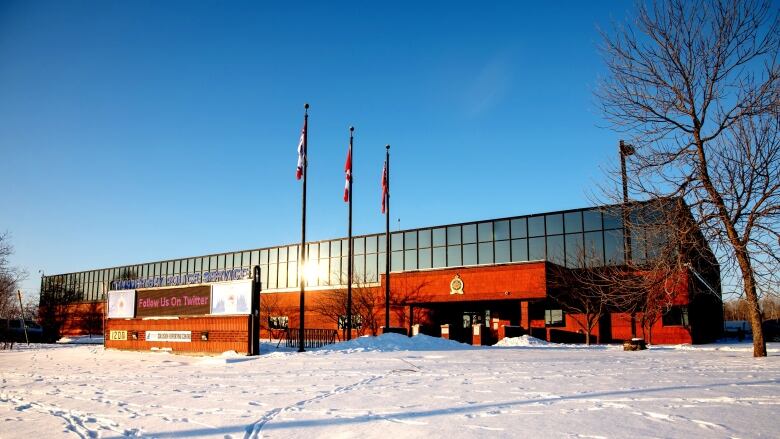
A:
(748, 279)
(754, 312)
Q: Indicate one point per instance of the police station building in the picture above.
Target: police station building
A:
(474, 282)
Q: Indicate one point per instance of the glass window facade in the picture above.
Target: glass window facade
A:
(576, 238)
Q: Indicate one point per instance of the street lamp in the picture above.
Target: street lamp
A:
(626, 150)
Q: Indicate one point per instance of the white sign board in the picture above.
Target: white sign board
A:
(231, 298)
(121, 304)
(169, 336)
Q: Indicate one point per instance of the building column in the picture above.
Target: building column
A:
(411, 319)
(476, 334)
(524, 321)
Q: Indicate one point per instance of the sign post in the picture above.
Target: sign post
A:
(254, 319)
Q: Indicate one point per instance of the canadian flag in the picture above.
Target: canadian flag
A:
(348, 174)
(301, 152)
(384, 187)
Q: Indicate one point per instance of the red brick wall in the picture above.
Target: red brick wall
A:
(225, 333)
(82, 318)
(499, 282)
(621, 330)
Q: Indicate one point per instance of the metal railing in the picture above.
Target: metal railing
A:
(312, 338)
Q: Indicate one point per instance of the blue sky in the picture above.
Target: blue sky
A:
(136, 131)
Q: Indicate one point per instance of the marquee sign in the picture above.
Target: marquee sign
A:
(183, 279)
(174, 301)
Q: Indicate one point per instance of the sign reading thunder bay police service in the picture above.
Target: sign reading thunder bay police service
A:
(187, 301)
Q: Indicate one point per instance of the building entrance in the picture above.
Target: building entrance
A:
(462, 316)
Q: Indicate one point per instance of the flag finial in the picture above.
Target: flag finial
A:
(387, 147)
(351, 128)
(306, 106)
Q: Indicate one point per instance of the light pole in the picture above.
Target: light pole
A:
(626, 150)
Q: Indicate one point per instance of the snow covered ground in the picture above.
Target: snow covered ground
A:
(392, 387)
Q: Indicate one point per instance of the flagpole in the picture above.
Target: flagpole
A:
(387, 239)
(302, 255)
(349, 262)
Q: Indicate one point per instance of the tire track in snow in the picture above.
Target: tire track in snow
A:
(254, 429)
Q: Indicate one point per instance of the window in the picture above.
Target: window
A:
(359, 269)
(278, 322)
(470, 254)
(613, 247)
(359, 245)
(575, 256)
(536, 226)
(439, 257)
(424, 238)
(536, 249)
(397, 241)
(573, 222)
(519, 250)
(676, 316)
(357, 322)
(371, 268)
(439, 237)
(554, 224)
(469, 233)
(519, 228)
(485, 232)
(453, 235)
(410, 259)
(501, 230)
(554, 317)
(397, 261)
(594, 249)
(502, 251)
(555, 253)
(612, 219)
(371, 244)
(424, 258)
(486, 253)
(592, 220)
(410, 241)
(453, 256)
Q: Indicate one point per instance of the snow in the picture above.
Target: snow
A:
(81, 339)
(525, 340)
(396, 342)
(391, 386)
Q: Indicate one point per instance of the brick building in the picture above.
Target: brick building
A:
(475, 282)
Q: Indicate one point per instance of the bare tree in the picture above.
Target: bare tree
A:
(697, 86)
(9, 279)
(55, 306)
(406, 291)
(580, 291)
